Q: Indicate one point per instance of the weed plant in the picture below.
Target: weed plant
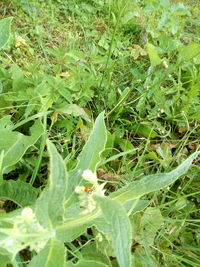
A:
(99, 133)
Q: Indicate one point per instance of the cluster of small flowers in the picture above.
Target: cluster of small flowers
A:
(86, 193)
(26, 232)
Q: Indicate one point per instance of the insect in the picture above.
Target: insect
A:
(88, 189)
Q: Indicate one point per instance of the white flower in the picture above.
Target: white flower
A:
(28, 214)
(89, 176)
(79, 189)
(99, 237)
(165, 64)
(86, 193)
(20, 41)
(99, 189)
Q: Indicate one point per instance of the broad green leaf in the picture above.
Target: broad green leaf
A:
(180, 9)
(6, 122)
(143, 257)
(92, 252)
(5, 25)
(153, 182)
(145, 130)
(52, 255)
(4, 260)
(21, 193)
(77, 223)
(127, 17)
(190, 52)
(124, 144)
(18, 260)
(50, 204)
(75, 110)
(86, 263)
(18, 78)
(4, 216)
(102, 225)
(120, 229)
(15, 144)
(153, 54)
(132, 206)
(90, 155)
(72, 228)
(150, 223)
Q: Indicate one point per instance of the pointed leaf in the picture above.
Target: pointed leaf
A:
(52, 255)
(6, 122)
(153, 182)
(90, 155)
(153, 54)
(21, 193)
(18, 78)
(92, 252)
(5, 25)
(16, 143)
(50, 204)
(144, 130)
(151, 222)
(190, 52)
(120, 229)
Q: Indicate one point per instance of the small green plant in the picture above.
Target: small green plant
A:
(74, 201)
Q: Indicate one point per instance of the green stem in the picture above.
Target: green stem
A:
(111, 45)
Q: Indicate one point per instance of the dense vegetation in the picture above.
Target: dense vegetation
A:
(99, 133)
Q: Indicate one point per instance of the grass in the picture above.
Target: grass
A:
(67, 61)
